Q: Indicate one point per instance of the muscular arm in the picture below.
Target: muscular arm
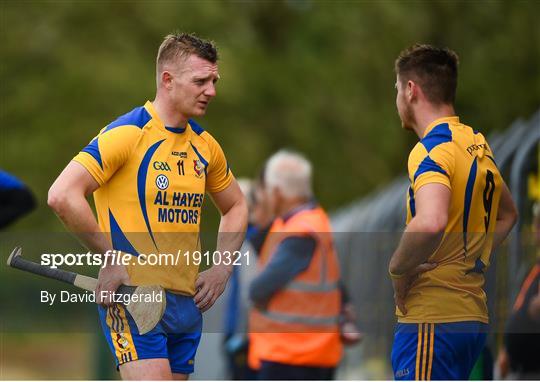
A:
(506, 217)
(232, 228)
(67, 197)
(425, 231)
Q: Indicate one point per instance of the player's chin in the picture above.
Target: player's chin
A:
(406, 126)
(200, 110)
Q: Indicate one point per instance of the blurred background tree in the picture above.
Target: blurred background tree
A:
(314, 76)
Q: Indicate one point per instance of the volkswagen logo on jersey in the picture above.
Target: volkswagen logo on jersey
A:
(162, 182)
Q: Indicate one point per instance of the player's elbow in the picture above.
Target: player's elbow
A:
(393, 267)
(432, 224)
(512, 219)
(239, 213)
(512, 215)
(243, 211)
(508, 212)
(57, 199)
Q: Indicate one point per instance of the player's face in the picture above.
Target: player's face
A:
(403, 106)
(194, 85)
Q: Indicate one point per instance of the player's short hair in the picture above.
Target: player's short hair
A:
(290, 172)
(181, 46)
(434, 69)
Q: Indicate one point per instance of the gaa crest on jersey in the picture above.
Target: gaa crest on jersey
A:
(198, 167)
(162, 182)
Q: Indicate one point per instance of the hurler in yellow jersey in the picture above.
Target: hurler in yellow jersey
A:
(458, 211)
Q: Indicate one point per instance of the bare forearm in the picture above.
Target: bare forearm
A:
(232, 229)
(502, 229)
(506, 217)
(211, 283)
(417, 244)
(67, 198)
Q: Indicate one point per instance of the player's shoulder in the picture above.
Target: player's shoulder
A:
(440, 134)
(418, 152)
(202, 134)
(474, 134)
(461, 131)
(469, 138)
(136, 118)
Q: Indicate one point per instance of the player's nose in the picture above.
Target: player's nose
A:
(210, 90)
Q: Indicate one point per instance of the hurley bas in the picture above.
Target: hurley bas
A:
(126, 299)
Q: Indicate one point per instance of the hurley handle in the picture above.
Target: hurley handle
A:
(15, 260)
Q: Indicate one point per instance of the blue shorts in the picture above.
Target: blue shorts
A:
(445, 351)
(176, 337)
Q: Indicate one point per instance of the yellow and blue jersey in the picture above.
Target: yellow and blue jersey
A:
(153, 180)
(455, 155)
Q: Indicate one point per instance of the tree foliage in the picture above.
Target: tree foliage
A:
(315, 76)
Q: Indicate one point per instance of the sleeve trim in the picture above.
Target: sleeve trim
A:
(223, 186)
(82, 160)
(428, 165)
(433, 178)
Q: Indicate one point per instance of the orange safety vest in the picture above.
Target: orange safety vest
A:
(300, 323)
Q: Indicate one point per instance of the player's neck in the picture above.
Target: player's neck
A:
(429, 113)
(167, 114)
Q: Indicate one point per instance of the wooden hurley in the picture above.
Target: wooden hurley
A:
(145, 314)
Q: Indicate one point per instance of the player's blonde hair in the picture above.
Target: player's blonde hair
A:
(180, 46)
(290, 172)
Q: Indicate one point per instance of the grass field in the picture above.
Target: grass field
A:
(47, 356)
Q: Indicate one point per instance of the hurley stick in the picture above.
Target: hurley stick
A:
(145, 314)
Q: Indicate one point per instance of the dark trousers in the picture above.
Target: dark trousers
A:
(280, 371)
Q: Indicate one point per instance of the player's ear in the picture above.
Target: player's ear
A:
(411, 91)
(167, 79)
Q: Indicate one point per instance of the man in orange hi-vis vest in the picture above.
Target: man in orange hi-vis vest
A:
(294, 324)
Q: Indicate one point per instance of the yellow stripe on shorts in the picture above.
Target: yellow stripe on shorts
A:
(431, 348)
(418, 353)
(111, 323)
(121, 337)
(130, 351)
(424, 353)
